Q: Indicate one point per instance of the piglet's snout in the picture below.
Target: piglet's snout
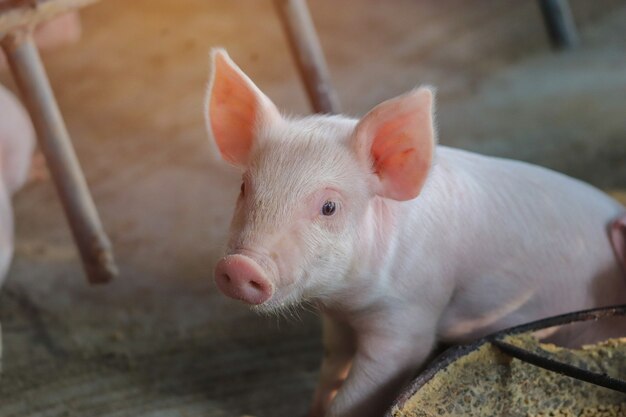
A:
(241, 278)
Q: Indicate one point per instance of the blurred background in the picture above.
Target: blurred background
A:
(160, 340)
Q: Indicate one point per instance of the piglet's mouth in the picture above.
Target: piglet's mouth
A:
(240, 277)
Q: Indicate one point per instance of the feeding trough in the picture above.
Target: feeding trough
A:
(512, 374)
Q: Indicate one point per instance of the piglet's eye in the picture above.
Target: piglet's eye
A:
(243, 188)
(328, 209)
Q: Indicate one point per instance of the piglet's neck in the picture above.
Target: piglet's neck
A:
(379, 225)
(393, 233)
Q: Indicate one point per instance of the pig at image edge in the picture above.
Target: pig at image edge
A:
(400, 243)
(17, 142)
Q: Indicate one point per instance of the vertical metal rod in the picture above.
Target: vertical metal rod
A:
(559, 22)
(307, 51)
(30, 76)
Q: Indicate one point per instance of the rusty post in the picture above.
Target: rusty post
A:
(307, 51)
(54, 141)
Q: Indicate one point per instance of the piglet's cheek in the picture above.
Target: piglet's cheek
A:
(288, 254)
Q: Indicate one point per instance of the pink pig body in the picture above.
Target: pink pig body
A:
(17, 141)
(330, 214)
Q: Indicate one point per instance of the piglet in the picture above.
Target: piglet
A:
(17, 141)
(399, 242)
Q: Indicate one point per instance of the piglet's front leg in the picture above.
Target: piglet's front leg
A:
(339, 348)
(383, 364)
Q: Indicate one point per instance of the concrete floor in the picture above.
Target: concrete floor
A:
(160, 340)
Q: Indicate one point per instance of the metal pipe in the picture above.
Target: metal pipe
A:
(307, 51)
(559, 22)
(93, 245)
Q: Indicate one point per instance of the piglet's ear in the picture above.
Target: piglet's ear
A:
(396, 140)
(235, 109)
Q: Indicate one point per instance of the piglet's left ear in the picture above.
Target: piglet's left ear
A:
(396, 140)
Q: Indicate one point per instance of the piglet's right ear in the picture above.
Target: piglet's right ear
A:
(235, 108)
(397, 141)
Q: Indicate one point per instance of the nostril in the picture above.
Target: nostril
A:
(256, 285)
(226, 277)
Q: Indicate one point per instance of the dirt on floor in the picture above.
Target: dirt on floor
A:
(160, 340)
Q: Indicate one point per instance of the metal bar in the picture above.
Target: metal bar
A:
(559, 22)
(54, 141)
(584, 315)
(595, 378)
(307, 51)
